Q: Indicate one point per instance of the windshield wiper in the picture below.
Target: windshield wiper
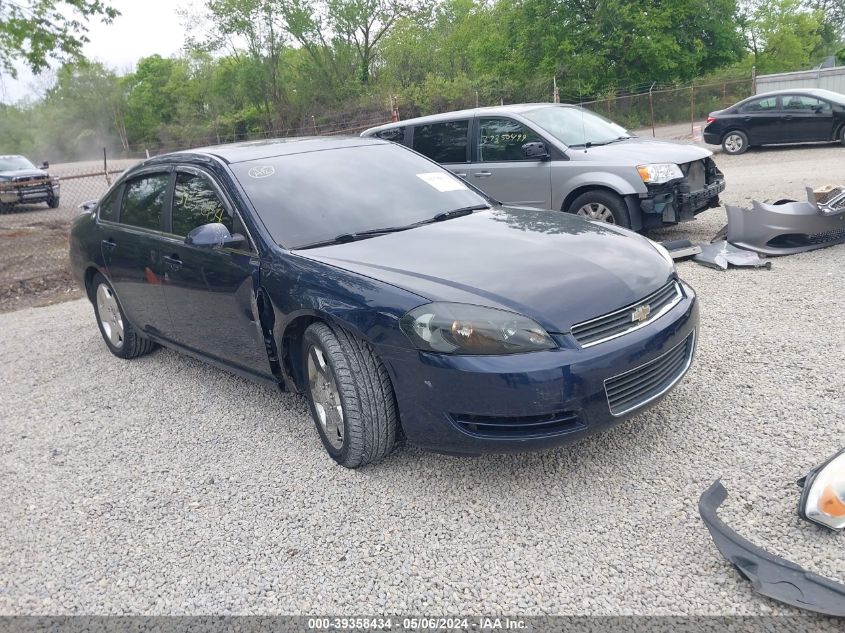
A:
(345, 238)
(590, 144)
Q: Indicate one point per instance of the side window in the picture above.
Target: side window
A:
(803, 103)
(395, 134)
(195, 202)
(768, 104)
(502, 140)
(143, 201)
(443, 142)
(108, 206)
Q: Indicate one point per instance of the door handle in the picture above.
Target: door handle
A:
(109, 244)
(787, 117)
(173, 262)
(461, 174)
(482, 174)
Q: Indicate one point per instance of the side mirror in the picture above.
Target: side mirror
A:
(535, 149)
(214, 235)
(88, 206)
(45, 165)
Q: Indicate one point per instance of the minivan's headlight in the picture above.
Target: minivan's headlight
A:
(823, 498)
(658, 173)
(460, 328)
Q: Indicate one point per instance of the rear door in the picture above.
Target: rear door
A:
(131, 222)
(761, 120)
(445, 142)
(806, 118)
(210, 292)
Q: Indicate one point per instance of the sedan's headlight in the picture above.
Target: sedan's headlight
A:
(658, 173)
(460, 328)
(823, 498)
(663, 252)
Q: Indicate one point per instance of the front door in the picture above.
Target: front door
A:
(500, 168)
(130, 222)
(806, 118)
(210, 292)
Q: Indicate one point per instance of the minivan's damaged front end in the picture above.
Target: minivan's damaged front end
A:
(682, 199)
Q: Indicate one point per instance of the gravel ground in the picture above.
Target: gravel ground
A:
(165, 486)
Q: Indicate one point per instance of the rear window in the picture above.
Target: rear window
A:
(443, 142)
(768, 104)
(143, 201)
(311, 197)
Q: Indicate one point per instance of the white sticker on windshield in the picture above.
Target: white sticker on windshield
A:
(442, 182)
(265, 171)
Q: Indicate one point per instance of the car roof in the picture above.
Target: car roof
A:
(516, 108)
(813, 92)
(268, 148)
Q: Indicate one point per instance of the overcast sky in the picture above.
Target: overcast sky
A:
(144, 27)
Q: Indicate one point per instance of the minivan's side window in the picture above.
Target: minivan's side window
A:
(443, 142)
(143, 201)
(395, 134)
(108, 206)
(502, 140)
(195, 202)
(769, 104)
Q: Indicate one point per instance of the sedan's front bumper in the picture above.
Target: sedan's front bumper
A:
(477, 404)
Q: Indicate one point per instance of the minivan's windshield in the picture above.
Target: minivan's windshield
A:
(14, 163)
(312, 197)
(577, 127)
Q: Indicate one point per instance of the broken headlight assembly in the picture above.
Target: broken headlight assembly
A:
(659, 173)
(823, 496)
(459, 328)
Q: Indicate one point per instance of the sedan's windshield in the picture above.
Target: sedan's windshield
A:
(14, 163)
(576, 127)
(304, 199)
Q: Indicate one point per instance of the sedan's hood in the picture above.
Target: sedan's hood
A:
(553, 267)
(639, 151)
(23, 173)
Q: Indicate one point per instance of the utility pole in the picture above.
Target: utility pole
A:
(555, 92)
(651, 108)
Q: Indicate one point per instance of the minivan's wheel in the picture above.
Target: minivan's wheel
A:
(120, 337)
(735, 142)
(350, 396)
(53, 203)
(602, 206)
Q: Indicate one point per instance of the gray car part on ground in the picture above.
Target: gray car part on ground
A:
(721, 254)
(770, 575)
(787, 226)
(681, 249)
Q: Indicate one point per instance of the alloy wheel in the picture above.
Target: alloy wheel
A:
(597, 211)
(733, 143)
(325, 396)
(110, 317)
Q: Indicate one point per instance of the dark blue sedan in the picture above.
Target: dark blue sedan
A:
(397, 298)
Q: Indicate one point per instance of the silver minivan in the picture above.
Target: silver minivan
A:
(566, 158)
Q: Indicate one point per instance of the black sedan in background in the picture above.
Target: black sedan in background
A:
(780, 117)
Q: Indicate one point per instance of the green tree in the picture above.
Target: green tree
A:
(782, 35)
(38, 30)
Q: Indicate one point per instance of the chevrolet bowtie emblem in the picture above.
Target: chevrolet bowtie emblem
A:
(640, 313)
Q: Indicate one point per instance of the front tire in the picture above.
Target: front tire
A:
(53, 203)
(601, 206)
(842, 135)
(119, 335)
(349, 395)
(735, 143)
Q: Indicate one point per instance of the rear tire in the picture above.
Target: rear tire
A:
(349, 395)
(842, 135)
(735, 143)
(119, 335)
(601, 206)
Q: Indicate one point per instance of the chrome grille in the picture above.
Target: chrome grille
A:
(640, 386)
(622, 321)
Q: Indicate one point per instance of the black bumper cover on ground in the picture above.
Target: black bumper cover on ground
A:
(768, 574)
